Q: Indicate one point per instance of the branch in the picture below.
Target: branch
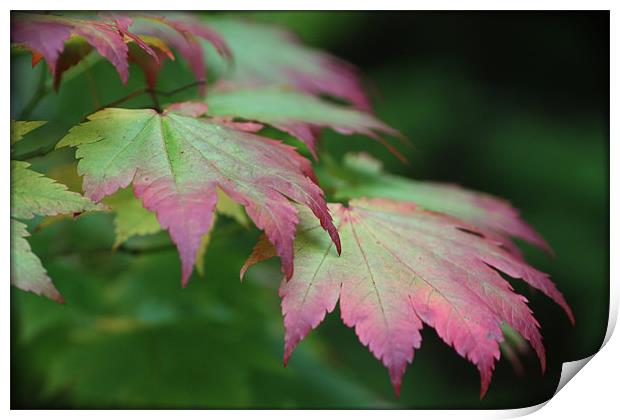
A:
(42, 91)
(107, 250)
(225, 231)
(153, 94)
(118, 101)
(182, 88)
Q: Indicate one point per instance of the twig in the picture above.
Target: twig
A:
(182, 88)
(153, 93)
(42, 91)
(225, 231)
(121, 249)
(125, 98)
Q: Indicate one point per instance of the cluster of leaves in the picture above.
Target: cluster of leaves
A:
(33, 194)
(403, 253)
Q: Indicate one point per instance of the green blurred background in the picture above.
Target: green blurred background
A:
(515, 104)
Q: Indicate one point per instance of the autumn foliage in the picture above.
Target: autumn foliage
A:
(400, 255)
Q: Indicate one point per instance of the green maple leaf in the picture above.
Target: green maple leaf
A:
(297, 113)
(33, 194)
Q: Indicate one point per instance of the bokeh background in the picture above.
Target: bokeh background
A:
(515, 104)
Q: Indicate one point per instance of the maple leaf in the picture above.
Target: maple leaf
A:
(296, 113)
(227, 207)
(45, 35)
(132, 219)
(33, 194)
(147, 52)
(402, 266)
(184, 36)
(266, 54)
(64, 41)
(27, 272)
(145, 61)
(65, 174)
(176, 160)
(494, 216)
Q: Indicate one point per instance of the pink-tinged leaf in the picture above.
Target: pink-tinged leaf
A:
(144, 59)
(122, 25)
(296, 113)
(495, 217)
(189, 109)
(76, 49)
(108, 42)
(194, 26)
(44, 35)
(47, 35)
(402, 267)
(175, 161)
(249, 126)
(266, 55)
(183, 36)
(148, 52)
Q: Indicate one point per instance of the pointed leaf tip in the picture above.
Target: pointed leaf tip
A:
(403, 266)
(396, 389)
(176, 162)
(299, 114)
(64, 41)
(493, 217)
(277, 57)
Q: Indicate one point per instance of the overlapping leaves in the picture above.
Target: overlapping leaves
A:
(63, 41)
(33, 194)
(362, 176)
(175, 162)
(265, 55)
(402, 267)
(294, 112)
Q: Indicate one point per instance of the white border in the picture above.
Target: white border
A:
(594, 391)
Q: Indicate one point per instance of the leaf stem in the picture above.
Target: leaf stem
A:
(153, 96)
